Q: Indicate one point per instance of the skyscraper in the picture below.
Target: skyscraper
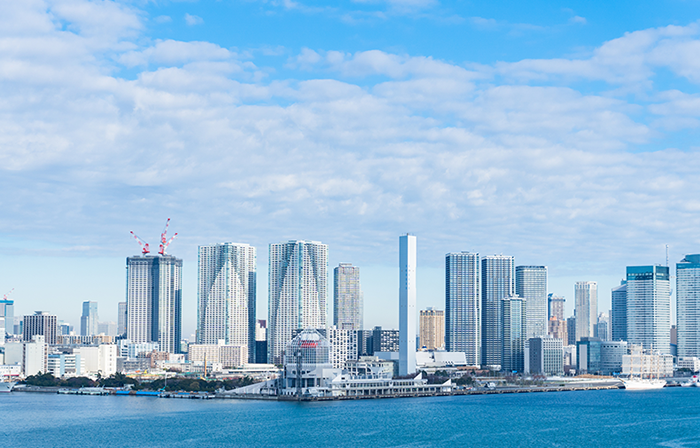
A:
(297, 292)
(649, 307)
(688, 306)
(432, 329)
(463, 305)
(347, 297)
(556, 306)
(618, 316)
(514, 318)
(497, 283)
(89, 319)
(531, 285)
(226, 296)
(586, 295)
(40, 323)
(407, 304)
(154, 300)
(121, 318)
(7, 318)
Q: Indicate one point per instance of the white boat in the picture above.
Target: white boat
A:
(6, 386)
(693, 382)
(643, 384)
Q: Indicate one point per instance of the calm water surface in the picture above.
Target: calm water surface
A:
(666, 418)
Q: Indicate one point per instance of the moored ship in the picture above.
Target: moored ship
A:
(6, 386)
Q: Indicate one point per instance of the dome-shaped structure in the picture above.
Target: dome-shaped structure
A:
(308, 347)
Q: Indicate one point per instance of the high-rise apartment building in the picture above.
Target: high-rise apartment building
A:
(407, 304)
(463, 305)
(297, 292)
(154, 300)
(556, 306)
(40, 323)
(571, 331)
(514, 318)
(531, 285)
(649, 307)
(7, 318)
(347, 297)
(497, 283)
(432, 329)
(558, 330)
(586, 296)
(688, 306)
(618, 315)
(89, 319)
(226, 296)
(121, 318)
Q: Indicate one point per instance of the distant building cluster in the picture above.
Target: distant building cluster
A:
(497, 315)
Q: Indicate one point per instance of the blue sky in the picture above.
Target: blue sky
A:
(563, 133)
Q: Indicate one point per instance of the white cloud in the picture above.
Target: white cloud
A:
(192, 20)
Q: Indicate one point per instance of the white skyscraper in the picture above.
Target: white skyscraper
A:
(649, 307)
(347, 298)
(154, 300)
(89, 319)
(531, 285)
(297, 292)
(226, 296)
(688, 306)
(407, 304)
(586, 303)
(463, 305)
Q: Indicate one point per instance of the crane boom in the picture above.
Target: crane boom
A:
(144, 245)
(4, 296)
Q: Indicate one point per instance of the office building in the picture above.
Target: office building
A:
(407, 304)
(688, 306)
(7, 318)
(40, 323)
(586, 295)
(35, 355)
(347, 297)
(227, 355)
(557, 329)
(432, 329)
(89, 319)
(154, 300)
(571, 330)
(497, 283)
(588, 354)
(514, 334)
(618, 315)
(121, 318)
(226, 296)
(611, 353)
(531, 285)
(649, 307)
(343, 344)
(384, 340)
(556, 306)
(546, 355)
(602, 328)
(463, 305)
(107, 329)
(297, 292)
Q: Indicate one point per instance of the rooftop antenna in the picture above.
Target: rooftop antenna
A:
(667, 255)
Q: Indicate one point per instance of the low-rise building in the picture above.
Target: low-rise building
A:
(690, 363)
(227, 356)
(611, 353)
(647, 363)
(35, 356)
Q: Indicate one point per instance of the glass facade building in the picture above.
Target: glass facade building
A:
(531, 285)
(649, 307)
(618, 315)
(497, 283)
(688, 306)
(463, 305)
(513, 313)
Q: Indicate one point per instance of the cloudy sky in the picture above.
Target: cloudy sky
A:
(563, 133)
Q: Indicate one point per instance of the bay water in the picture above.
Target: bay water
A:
(608, 418)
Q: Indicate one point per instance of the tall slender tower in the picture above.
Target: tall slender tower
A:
(154, 300)
(226, 296)
(407, 304)
(688, 305)
(531, 286)
(89, 319)
(649, 307)
(297, 292)
(121, 318)
(586, 311)
(347, 297)
(463, 305)
(514, 318)
(497, 283)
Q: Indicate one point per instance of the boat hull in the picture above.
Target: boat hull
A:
(643, 384)
(6, 386)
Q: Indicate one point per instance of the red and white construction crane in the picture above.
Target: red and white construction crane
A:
(144, 245)
(5, 296)
(164, 242)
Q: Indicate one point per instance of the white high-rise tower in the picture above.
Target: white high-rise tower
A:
(226, 296)
(347, 298)
(297, 292)
(586, 311)
(531, 285)
(688, 305)
(407, 304)
(649, 307)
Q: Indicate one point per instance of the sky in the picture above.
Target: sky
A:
(562, 133)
